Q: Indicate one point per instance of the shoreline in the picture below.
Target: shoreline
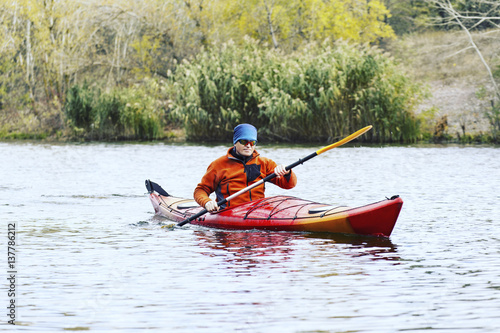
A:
(480, 139)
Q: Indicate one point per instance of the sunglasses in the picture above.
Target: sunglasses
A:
(245, 142)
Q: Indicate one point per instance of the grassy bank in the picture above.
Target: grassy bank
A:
(315, 94)
(458, 107)
(269, 90)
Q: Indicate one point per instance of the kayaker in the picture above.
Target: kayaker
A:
(239, 168)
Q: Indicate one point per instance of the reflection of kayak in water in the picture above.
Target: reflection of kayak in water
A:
(283, 213)
(249, 247)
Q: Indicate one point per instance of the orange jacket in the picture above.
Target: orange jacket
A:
(227, 175)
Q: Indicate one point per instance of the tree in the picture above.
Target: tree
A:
(48, 46)
(293, 22)
(409, 16)
(467, 21)
(473, 15)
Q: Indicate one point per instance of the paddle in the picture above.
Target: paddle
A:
(273, 175)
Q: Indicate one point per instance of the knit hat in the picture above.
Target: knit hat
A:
(245, 132)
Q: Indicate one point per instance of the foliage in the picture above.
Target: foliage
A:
(317, 94)
(493, 115)
(419, 15)
(410, 16)
(80, 107)
(129, 113)
(296, 21)
(47, 48)
(428, 119)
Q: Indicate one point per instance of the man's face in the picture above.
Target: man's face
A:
(245, 149)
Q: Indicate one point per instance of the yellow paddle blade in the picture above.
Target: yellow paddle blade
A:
(345, 140)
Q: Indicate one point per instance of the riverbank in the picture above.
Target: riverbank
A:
(454, 109)
(455, 77)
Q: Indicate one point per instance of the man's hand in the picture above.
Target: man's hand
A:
(211, 206)
(280, 171)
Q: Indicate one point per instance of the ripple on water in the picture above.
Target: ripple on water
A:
(92, 255)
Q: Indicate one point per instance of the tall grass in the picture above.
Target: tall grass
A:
(79, 107)
(126, 113)
(318, 94)
(493, 115)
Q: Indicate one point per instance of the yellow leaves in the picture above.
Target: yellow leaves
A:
(296, 21)
(146, 47)
(358, 21)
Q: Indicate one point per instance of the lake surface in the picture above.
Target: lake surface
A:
(91, 255)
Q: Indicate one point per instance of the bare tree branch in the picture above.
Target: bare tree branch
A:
(454, 15)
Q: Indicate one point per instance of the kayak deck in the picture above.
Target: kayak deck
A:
(286, 213)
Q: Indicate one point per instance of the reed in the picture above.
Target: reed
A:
(79, 107)
(493, 115)
(319, 93)
(123, 113)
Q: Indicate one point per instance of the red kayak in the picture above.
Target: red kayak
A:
(284, 213)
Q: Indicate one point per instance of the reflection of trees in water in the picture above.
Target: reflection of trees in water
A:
(249, 249)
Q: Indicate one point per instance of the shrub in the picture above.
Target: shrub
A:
(317, 94)
(79, 107)
(139, 116)
(493, 115)
(125, 113)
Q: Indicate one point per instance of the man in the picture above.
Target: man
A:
(239, 168)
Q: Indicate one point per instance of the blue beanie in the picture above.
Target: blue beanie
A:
(245, 132)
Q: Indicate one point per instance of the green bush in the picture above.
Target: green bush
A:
(317, 94)
(125, 113)
(493, 115)
(79, 107)
(107, 116)
(140, 117)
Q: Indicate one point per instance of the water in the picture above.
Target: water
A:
(90, 254)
